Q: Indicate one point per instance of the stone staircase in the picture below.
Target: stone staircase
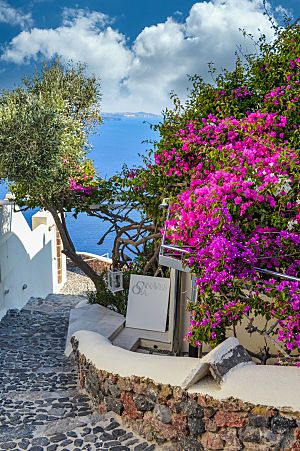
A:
(41, 408)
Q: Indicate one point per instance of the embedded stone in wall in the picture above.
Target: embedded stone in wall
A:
(143, 404)
(163, 413)
(225, 357)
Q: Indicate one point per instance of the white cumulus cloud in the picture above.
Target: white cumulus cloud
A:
(13, 16)
(141, 76)
(83, 36)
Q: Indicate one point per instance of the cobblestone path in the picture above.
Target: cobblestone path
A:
(40, 405)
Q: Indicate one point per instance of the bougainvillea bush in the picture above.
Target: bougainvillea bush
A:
(240, 211)
(229, 161)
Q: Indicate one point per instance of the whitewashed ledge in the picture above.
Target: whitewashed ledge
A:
(222, 401)
(270, 385)
(104, 355)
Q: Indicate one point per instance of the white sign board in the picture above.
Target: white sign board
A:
(148, 303)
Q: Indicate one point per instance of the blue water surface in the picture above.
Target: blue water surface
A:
(118, 141)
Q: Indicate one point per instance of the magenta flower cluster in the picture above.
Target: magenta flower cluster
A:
(240, 210)
(83, 183)
(79, 188)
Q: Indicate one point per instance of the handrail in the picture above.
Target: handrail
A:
(278, 274)
(174, 248)
(260, 270)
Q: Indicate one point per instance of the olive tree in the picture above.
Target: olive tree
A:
(44, 129)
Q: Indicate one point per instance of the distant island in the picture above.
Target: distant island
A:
(139, 114)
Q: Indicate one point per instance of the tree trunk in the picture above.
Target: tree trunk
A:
(69, 248)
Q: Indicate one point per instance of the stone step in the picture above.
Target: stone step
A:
(126, 341)
(94, 318)
(130, 339)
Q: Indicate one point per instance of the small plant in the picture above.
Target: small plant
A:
(114, 301)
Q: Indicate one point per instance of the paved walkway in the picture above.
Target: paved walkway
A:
(40, 405)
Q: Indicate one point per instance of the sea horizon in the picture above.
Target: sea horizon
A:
(115, 143)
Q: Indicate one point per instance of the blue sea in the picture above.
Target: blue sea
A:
(118, 140)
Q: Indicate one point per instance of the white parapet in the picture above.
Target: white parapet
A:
(30, 262)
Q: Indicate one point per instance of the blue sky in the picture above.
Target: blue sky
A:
(141, 50)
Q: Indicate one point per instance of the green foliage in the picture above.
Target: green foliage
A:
(44, 133)
(103, 296)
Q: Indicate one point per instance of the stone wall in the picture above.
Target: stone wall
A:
(97, 264)
(177, 420)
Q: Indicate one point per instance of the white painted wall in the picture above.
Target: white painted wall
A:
(27, 258)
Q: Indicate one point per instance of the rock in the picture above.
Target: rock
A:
(144, 404)
(259, 447)
(191, 407)
(187, 444)
(98, 429)
(250, 434)
(52, 448)
(296, 433)
(152, 448)
(279, 424)
(125, 384)
(119, 448)
(210, 440)
(102, 408)
(141, 447)
(114, 405)
(127, 436)
(105, 437)
(90, 438)
(114, 390)
(165, 392)
(130, 408)
(132, 442)
(72, 434)
(57, 412)
(229, 435)
(41, 441)
(231, 419)
(259, 421)
(118, 433)
(58, 438)
(263, 411)
(163, 413)
(66, 442)
(210, 425)
(112, 425)
(196, 425)
(179, 424)
(24, 443)
(208, 412)
(8, 445)
(296, 446)
(225, 357)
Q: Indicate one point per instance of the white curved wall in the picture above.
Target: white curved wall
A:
(28, 265)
